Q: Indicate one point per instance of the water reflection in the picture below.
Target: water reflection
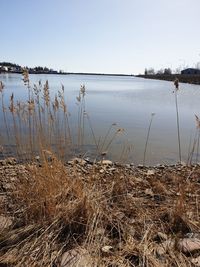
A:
(129, 102)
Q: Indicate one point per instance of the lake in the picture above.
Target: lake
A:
(129, 102)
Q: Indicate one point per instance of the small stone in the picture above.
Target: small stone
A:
(37, 158)
(128, 166)
(76, 258)
(159, 166)
(193, 235)
(150, 172)
(140, 166)
(107, 249)
(102, 171)
(77, 161)
(189, 244)
(160, 251)
(196, 261)
(162, 236)
(149, 192)
(106, 162)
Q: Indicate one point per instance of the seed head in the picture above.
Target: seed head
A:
(197, 121)
(1, 87)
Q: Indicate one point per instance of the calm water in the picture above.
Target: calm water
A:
(129, 102)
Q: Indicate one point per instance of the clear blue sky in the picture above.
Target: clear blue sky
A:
(109, 36)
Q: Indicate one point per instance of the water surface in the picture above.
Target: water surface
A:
(129, 102)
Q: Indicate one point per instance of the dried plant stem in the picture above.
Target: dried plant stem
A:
(197, 151)
(4, 116)
(178, 127)
(106, 136)
(193, 148)
(147, 138)
(93, 134)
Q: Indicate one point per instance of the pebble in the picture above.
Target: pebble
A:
(150, 172)
(188, 245)
(162, 236)
(107, 249)
(149, 192)
(106, 162)
(196, 261)
(77, 257)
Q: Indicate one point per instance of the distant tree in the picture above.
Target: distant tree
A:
(161, 71)
(167, 71)
(145, 71)
(151, 71)
(46, 69)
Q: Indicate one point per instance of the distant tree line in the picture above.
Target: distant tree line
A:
(12, 67)
(8, 64)
(168, 71)
(151, 71)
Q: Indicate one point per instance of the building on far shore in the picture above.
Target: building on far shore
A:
(191, 71)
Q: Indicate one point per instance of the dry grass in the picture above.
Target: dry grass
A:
(55, 207)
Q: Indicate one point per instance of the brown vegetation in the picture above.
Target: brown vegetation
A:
(119, 215)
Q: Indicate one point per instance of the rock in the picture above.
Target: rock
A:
(150, 172)
(149, 192)
(102, 171)
(11, 161)
(77, 161)
(193, 235)
(77, 257)
(160, 251)
(106, 162)
(5, 222)
(128, 166)
(37, 158)
(187, 245)
(140, 166)
(7, 186)
(160, 166)
(196, 261)
(162, 236)
(107, 249)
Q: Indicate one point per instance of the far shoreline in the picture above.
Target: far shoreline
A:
(71, 73)
(183, 78)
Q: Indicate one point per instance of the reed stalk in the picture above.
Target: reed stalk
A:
(147, 138)
(176, 83)
(2, 86)
(198, 136)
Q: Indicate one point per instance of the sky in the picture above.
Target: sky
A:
(105, 36)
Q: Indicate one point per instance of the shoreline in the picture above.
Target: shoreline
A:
(183, 78)
(71, 73)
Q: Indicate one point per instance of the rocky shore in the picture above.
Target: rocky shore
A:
(98, 214)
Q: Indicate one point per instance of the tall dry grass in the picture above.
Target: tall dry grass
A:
(176, 84)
